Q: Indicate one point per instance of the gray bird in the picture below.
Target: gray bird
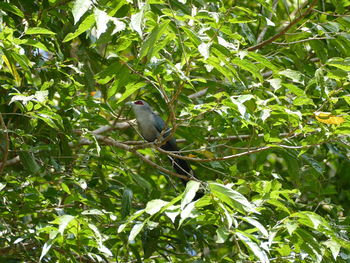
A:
(151, 126)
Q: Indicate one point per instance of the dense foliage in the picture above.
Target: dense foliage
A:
(258, 94)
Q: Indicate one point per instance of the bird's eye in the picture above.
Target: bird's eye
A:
(139, 102)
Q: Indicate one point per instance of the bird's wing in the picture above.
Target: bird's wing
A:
(159, 123)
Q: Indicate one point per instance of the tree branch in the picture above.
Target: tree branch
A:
(7, 142)
(111, 142)
(302, 40)
(228, 138)
(284, 30)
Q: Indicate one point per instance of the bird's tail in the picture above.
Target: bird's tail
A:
(181, 166)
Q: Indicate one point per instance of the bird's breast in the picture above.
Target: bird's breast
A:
(147, 127)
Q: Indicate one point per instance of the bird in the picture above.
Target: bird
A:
(151, 126)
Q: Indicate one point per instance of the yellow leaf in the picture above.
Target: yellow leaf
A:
(13, 70)
(206, 153)
(328, 118)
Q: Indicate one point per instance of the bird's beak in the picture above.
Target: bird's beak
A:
(129, 103)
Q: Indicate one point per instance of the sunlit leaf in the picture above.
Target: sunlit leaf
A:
(126, 202)
(190, 192)
(46, 247)
(63, 222)
(136, 21)
(79, 9)
(341, 63)
(231, 197)
(294, 75)
(86, 24)
(12, 69)
(39, 30)
(148, 46)
(154, 206)
(136, 230)
(328, 118)
(31, 42)
(258, 252)
(222, 235)
(204, 49)
(334, 247)
(130, 89)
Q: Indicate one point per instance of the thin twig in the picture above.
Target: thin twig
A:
(11, 161)
(284, 30)
(125, 147)
(224, 158)
(328, 14)
(302, 40)
(213, 139)
(7, 142)
(263, 31)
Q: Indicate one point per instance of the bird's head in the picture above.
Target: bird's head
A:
(139, 102)
(139, 105)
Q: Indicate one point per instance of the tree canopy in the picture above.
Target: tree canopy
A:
(257, 94)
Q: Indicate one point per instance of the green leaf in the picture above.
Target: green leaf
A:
(105, 75)
(190, 211)
(126, 202)
(130, 219)
(299, 101)
(319, 75)
(63, 222)
(65, 188)
(31, 42)
(130, 89)
(264, 61)
(320, 49)
(310, 219)
(39, 30)
(275, 83)
(192, 36)
(341, 63)
(204, 49)
(136, 230)
(87, 23)
(233, 198)
(11, 8)
(296, 76)
(190, 192)
(136, 21)
(124, 77)
(46, 248)
(257, 224)
(256, 249)
(148, 47)
(2, 186)
(291, 226)
(28, 161)
(247, 65)
(309, 243)
(155, 206)
(98, 238)
(79, 9)
(317, 166)
(229, 73)
(221, 235)
(101, 19)
(172, 212)
(141, 182)
(334, 247)
(150, 241)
